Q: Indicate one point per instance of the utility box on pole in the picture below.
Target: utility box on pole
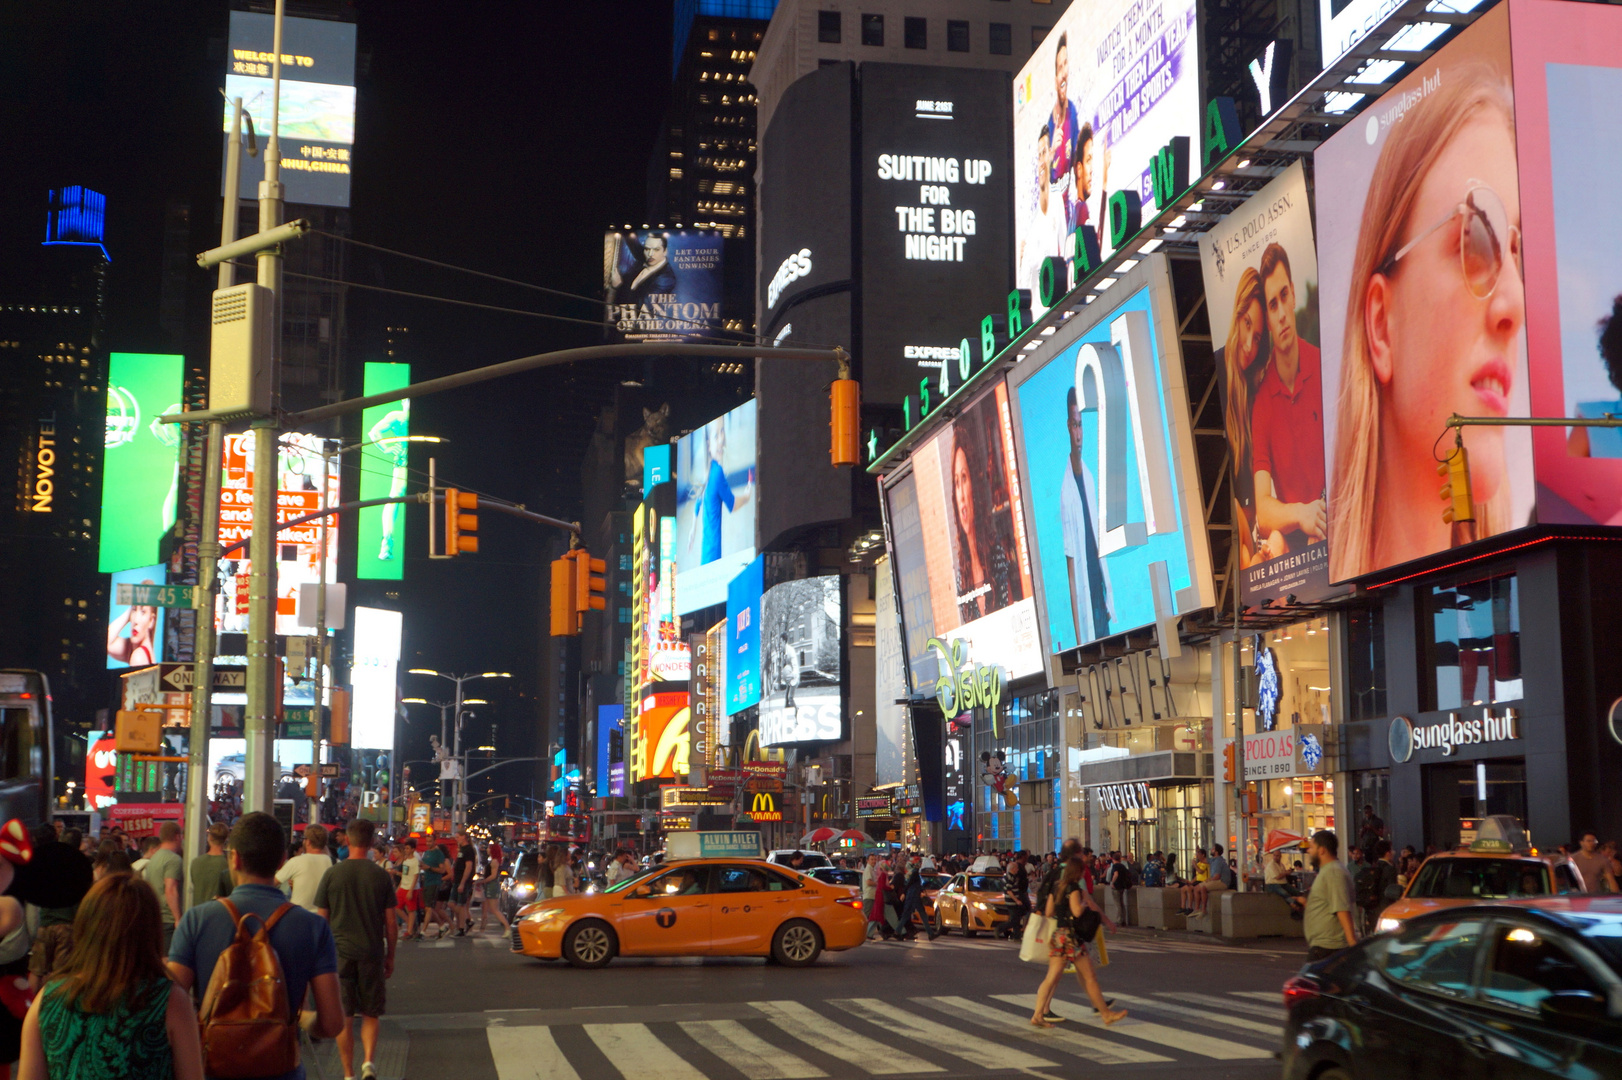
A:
(239, 370)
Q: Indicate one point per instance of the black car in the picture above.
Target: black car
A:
(1483, 992)
(518, 883)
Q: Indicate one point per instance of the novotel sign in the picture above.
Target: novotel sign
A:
(1456, 731)
(1168, 171)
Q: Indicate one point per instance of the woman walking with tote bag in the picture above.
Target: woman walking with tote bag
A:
(1077, 918)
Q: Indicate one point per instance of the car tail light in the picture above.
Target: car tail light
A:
(850, 902)
(1299, 989)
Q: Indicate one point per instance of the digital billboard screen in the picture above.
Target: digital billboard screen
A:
(936, 187)
(1111, 84)
(298, 548)
(661, 654)
(801, 657)
(134, 631)
(742, 678)
(140, 477)
(317, 114)
(889, 663)
(610, 737)
(662, 285)
(1104, 436)
(384, 467)
(715, 507)
(373, 674)
(1423, 306)
(663, 740)
(962, 550)
(1261, 293)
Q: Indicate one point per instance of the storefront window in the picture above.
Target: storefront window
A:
(1365, 663)
(1473, 652)
(1013, 811)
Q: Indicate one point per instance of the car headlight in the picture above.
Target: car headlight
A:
(544, 915)
(1388, 924)
(978, 906)
(522, 890)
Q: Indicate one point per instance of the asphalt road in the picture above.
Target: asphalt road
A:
(470, 1008)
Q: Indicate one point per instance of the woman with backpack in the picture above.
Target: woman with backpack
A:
(100, 1016)
(1077, 920)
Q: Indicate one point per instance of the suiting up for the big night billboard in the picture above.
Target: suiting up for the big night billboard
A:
(1261, 292)
(1108, 451)
(715, 507)
(1112, 83)
(662, 285)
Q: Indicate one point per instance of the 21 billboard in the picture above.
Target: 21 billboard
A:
(384, 467)
(1104, 436)
(661, 285)
(140, 477)
(1111, 84)
(317, 115)
(715, 507)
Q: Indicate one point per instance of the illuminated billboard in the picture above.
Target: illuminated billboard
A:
(610, 750)
(140, 477)
(801, 661)
(373, 677)
(1420, 318)
(743, 637)
(317, 114)
(298, 548)
(659, 654)
(962, 548)
(1261, 291)
(384, 460)
(134, 631)
(1111, 84)
(662, 285)
(1104, 436)
(890, 681)
(100, 763)
(663, 738)
(715, 507)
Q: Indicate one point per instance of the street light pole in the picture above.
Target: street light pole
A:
(456, 749)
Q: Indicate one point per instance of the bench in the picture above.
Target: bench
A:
(1157, 908)
(1254, 915)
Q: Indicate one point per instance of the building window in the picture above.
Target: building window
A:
(1365, 664)
(828, 27)
(1473, 643)
(873, 30)
(1037, 34)
(1002, 39)
(957, 35)
(915, 32)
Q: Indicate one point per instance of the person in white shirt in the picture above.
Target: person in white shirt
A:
(301, 875)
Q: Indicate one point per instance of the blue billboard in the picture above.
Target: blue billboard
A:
(661, 285)
(135, 631)
(715, 507)
(1105, 440)
(610, 721)
(743, 637)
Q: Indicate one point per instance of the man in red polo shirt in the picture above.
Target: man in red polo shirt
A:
(1287, 424)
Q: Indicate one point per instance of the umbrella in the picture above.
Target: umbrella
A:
(817, 836)
(854, 834)
(1281, 840)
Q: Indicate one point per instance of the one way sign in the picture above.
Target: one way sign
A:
(177, 678)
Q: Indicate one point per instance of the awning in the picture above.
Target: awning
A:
(1163, 768)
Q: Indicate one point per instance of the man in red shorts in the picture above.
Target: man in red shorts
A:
(408, 893)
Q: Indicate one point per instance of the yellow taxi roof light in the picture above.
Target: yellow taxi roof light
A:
(1500, 834)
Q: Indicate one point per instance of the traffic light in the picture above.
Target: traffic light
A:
(459, 527)
(845, 399)
(564, 622)
(1460, 510)
(1230, 768)
(589, 586)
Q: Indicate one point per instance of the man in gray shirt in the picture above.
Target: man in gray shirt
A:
(163, 871)
(1329, 927)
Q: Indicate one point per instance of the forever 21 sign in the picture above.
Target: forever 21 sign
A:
(1124, 796)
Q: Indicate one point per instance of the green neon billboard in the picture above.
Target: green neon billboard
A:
(380, 552)
(140, 476)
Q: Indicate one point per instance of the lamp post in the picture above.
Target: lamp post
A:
(456, 750)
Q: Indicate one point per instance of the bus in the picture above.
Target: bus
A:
(25, 747)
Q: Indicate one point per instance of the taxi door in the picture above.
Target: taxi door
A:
(746, 909)
(668, 915)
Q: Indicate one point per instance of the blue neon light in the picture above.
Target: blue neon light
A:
(77, 218)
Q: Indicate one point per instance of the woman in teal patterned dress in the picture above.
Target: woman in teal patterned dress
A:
(112, 1012)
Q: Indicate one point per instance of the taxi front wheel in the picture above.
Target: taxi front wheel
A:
(589, 944)
(796, 944)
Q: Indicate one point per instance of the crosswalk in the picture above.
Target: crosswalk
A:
(937, 1035)
(1148, 946)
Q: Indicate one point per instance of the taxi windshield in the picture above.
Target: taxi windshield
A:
(986, 883)
(632, 882)
(1479, 879)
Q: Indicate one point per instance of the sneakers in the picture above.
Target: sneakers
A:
(368, 1071)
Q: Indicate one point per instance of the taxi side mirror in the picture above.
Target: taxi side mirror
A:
(641, 892)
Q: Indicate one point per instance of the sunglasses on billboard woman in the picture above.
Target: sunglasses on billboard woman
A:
(1483, 228)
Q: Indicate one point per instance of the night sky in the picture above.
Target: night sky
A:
(498, 136)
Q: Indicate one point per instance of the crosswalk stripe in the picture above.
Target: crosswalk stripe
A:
(1159, 1034)
(1098, 1051)
(812, 1028)
(636, 1051)
(963, 1045)
(527, 1053)
(1206, 1014)
(747, 1052)
(1260, 995)
(1276, 1013)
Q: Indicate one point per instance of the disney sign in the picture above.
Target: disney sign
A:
(966, 686)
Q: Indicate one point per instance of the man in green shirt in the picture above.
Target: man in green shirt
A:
(1328, 918)
(433, 874)
(355, 897)
(211, 873)
(164, 872)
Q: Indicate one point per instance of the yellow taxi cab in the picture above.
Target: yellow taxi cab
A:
(1498, 864)
(971, 903)
(696, 907)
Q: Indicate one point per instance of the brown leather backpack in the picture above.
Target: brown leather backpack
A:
(247, 1022)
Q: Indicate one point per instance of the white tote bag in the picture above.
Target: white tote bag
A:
(1038, 931)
